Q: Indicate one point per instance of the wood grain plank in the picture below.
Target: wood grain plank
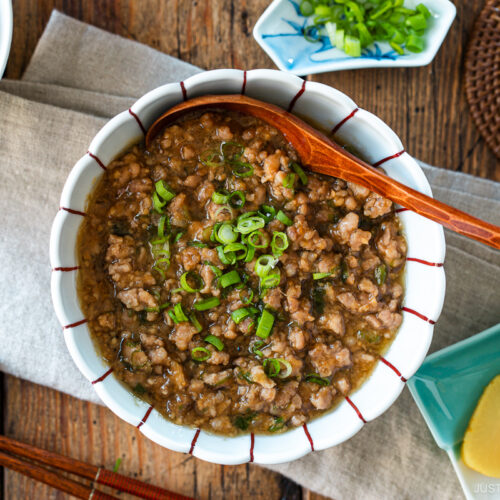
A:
(92, 433)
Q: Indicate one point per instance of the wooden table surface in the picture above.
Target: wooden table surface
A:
(425, 106)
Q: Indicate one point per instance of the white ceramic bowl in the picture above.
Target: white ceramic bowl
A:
(424, 277)
(5, 32)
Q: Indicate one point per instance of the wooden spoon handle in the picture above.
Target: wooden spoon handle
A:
(324, 156)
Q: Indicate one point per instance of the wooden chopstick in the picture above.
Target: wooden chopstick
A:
(96, 474)
(52, 479)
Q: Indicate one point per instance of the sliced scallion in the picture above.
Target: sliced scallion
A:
(279, 243)
(200, 354)
(215, 341)
(179, 313)
(164, 191)
(320, 276)
(289, 180)
(211, 158)
(267, 212)
(380, 274)
(316, 379)
(282, 217)
(241, 169)
(195, 279)
(195, 322)
(278, 424)
(258, 239)
(237, 199)
(220, 197)
(226, 233)
(230, 278)
(264, 264)
(240, 314)
(300, 172)
(265, 324)
(249, 224)
(204, 304)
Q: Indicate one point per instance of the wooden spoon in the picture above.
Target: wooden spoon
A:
(322, 155)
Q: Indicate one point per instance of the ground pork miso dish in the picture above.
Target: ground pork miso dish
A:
(230, 288)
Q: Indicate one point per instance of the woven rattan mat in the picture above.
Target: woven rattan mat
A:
(482, 74)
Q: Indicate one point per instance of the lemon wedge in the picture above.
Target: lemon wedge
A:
(481, 446)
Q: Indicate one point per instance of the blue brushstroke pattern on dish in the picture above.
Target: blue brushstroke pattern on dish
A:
(305, 52)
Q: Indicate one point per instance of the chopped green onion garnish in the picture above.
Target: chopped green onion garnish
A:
(200, 354)
(306, 8)
(193, 277)
(197, 244)
(224, 208)
(195, 322)
(230, 278)
(257, 346)
(119, 460)
(380, 274)
(344, 268)
(211, 159)
(264, 264)
(237, 199)
(242, 169)
(315, 378)
(279, 423)
(250, 254)
(157, 203)
(271, 366)
(423, 10)
(288, 368)
(414, 43)
(204, 304)
(258, 239)
(220, 197)
(320, 276)
(179, 313)
(282, 217)
(234, 248)
(249, 224)
(227, 258)
(243, 421)
(159, 270)
(289, 180)
(302, 175)
(164, 191)
(279, 243)
(240, 314)
(215, 341)
(248, 299)
(265, 324)
(214, 269)
(352, 46)
(226, 233)
(267, 212)
(232, 150)
(178, 236)
(417, 22)
(161, 226)
(270, 280)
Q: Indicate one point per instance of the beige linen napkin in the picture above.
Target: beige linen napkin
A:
(80, 76)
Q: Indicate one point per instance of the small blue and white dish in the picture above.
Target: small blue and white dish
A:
(280, 32)
(447, 388)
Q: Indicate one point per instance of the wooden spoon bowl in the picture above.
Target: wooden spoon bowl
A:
(320, 154)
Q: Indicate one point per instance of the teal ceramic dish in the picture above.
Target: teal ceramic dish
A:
(447, 388)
